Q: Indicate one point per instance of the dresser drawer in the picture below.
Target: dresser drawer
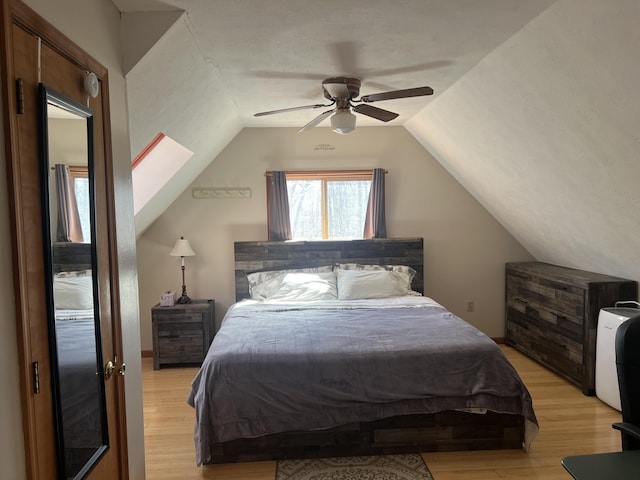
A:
(550, 346)
(561, 310)
(544, 294)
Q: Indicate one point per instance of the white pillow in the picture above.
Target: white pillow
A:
(305, 287)
(73, 290)
(359, 284)
(402, 269)
(261, 284)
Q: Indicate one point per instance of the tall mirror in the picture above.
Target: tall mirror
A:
(66, 133)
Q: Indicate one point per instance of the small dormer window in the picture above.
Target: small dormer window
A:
(154, 166)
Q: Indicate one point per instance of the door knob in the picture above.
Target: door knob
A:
(109, 369)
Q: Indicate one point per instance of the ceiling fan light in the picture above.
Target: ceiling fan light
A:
(343, 122)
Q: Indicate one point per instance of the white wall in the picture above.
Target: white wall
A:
(544, 133)
(465, 248)
(194, 110)
(94, 26)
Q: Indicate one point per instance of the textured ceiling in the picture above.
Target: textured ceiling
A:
(275, 54)
(197, 70)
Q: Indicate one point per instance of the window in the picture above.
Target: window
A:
(154, 167)
(80, 177)
(328, 204)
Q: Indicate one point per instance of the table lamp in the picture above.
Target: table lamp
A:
(182, 249)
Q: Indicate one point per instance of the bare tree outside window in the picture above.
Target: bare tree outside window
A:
(346, 208)
(305, 208)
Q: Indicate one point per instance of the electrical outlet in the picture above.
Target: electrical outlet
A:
(471, 306)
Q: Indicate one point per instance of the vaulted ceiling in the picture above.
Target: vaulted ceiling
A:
(535, 108)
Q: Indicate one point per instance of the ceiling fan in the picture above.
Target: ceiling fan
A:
(343, 93)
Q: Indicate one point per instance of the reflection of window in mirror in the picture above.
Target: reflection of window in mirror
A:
(80, 177)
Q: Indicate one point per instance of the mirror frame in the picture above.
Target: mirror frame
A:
(46, 96)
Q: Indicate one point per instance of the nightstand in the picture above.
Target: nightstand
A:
(182, 333)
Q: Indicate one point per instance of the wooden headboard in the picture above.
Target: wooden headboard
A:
(71, 256)
(259, 256)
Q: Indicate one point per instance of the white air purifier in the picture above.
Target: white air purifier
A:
(609, 320)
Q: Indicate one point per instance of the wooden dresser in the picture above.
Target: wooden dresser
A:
(182, 333)
(552, 315)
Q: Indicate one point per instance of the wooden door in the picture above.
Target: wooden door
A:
(36, 52)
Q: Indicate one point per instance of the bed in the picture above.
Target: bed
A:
(78, 385)
(364, 364)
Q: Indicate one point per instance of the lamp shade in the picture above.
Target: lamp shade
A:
(343, 122)
(182, 249)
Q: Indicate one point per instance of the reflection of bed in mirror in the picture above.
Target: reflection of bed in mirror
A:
(79, 385)
(358, 374)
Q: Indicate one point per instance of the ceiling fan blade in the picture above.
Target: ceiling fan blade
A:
(409, 92)
(292, 109)
(316, 120)
(375, 112)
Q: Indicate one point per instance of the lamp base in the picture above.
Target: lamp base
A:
(183, 299)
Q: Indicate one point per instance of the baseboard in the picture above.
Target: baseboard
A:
(499, 340)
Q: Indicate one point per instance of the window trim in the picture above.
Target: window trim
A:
(79, 171)
(330, 174)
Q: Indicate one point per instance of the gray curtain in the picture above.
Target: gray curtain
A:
(375, 223)
(69, 227)
(279, 221)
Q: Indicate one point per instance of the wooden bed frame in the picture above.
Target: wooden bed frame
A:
(443, 431)
(71, 256)
(258, 256)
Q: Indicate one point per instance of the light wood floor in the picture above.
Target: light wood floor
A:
(570, 424)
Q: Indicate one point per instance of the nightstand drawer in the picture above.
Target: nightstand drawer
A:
(181, 349)
(179, 325)
(182, 333)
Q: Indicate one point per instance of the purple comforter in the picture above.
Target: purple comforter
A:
(274, 368)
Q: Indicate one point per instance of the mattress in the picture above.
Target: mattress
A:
(278, 366)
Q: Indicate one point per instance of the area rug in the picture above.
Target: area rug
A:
(377, 467)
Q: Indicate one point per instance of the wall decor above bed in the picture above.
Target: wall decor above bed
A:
(201, 193)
